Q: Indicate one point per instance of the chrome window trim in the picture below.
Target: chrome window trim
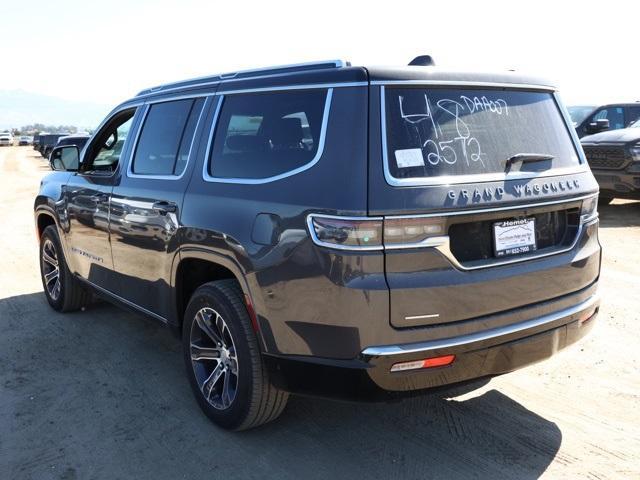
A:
(259, 181)
(147, 107)
(472, 178)
(474, 338)
(317, 241)
(116, 111)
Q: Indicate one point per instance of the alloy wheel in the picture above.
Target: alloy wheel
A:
(213, 358)
(51, 270)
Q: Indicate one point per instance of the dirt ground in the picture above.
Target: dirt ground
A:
(102, 393)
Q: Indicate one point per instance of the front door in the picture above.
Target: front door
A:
(87, 195)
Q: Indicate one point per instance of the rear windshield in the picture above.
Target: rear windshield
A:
(433, 132)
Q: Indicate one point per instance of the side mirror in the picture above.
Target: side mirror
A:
(65, 159)
(599, 125)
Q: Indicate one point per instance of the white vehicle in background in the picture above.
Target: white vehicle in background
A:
(25, 140)
(6, 139)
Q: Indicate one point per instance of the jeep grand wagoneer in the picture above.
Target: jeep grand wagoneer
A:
(327, 229)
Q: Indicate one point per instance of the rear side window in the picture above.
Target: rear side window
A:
(166, 136)
(448, 132)
(262, 135)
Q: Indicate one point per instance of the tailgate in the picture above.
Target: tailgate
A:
(467, 272)
(462, 278)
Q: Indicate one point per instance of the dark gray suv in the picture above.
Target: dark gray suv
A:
(327, 229)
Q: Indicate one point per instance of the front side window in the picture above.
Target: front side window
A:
(434, 132)
(103, 155)
(166, 136)
(259, 136)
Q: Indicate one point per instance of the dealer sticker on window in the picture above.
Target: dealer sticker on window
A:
(410, 157)
(513, 237)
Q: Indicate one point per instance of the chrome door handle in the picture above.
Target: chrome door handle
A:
(99, 197)
(164, 207)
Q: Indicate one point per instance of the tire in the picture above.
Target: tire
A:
(604, 200)
(63, 291)
(239, 395)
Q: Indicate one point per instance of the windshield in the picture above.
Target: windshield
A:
(439, 131)
(579, 112)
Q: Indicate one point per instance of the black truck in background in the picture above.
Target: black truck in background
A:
(590, 119)
(614, 158)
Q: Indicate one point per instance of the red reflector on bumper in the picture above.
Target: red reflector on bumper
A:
(426, 363)
(587, 315)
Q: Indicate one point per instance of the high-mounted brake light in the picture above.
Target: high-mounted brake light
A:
(432, 362)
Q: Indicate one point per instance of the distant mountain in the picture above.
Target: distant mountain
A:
(18, 108)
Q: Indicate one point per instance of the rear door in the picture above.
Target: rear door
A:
(146, 204)
(460, 219)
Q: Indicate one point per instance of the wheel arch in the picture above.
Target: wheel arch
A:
(194, 267)
(44, 216)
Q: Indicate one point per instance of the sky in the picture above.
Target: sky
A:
(105, 52)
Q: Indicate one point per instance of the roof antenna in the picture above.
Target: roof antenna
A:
(422, 61)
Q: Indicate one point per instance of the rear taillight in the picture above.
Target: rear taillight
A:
(346, 232)
(413, 231)
(589, 209)
(375, 233)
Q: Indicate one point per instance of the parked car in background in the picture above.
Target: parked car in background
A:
(47, 142)
(614, 157)
(613, 116)
(36, 141)
(6, 139)
(334, 230)
(25, 140)
(79, 140)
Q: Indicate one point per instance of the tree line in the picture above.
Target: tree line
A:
(36, 128)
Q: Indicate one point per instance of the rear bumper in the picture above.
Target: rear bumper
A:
(618, 184)
(482, 354)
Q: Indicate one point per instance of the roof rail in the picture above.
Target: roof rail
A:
(241, 74)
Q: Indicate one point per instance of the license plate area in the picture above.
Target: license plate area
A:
(514, 237)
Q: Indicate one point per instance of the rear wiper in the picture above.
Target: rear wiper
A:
(527, 158)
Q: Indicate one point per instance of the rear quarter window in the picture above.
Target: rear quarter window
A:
(440, 132)
(263, 135)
